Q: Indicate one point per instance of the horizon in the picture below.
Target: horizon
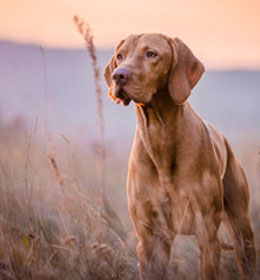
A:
(111, 49)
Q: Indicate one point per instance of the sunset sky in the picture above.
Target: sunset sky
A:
(223, 33)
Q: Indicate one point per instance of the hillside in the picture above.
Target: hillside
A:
(61, 83)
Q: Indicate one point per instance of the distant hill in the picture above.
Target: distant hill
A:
(229, 99)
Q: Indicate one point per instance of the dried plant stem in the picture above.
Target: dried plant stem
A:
(85, 30)
(45, 88)
(105, 208)
(28, 191)
(27, 159)
(53, 162)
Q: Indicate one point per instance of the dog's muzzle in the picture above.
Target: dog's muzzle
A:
(120, 77)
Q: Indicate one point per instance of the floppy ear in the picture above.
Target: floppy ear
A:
(185, 72)
(108, 73)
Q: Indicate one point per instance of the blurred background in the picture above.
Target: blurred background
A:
(46, 72)
(47, 85)
(45, 68)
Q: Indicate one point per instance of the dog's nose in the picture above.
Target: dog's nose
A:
(121, 75)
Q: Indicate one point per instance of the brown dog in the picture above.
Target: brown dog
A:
(183, 177)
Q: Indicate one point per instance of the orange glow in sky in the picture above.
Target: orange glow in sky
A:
(223, 33)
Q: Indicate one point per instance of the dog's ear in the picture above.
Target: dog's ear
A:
(185, 73)
(109, 70)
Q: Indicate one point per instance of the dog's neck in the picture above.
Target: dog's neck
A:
(158, 125)
(161, 110)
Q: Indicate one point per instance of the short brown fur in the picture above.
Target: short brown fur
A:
(183, 177)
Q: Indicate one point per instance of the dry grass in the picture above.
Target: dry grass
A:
(51, 223)
(51, 226)
(85, 30)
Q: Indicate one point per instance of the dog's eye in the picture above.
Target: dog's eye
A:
(151, 54)
(119, 56)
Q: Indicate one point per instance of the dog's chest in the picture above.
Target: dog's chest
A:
(159, 144)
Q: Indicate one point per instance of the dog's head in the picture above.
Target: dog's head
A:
(149, 63)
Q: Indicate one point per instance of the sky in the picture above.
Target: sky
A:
(223, 34)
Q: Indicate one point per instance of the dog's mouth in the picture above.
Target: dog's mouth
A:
(121, 95)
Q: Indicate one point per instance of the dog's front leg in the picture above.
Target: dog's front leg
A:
(154, 254)
(155, 240)
(207, 236)
(209, 259)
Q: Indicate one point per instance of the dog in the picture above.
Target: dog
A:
(183, 177)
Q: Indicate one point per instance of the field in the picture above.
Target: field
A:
(63, 206)
(54, 224)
